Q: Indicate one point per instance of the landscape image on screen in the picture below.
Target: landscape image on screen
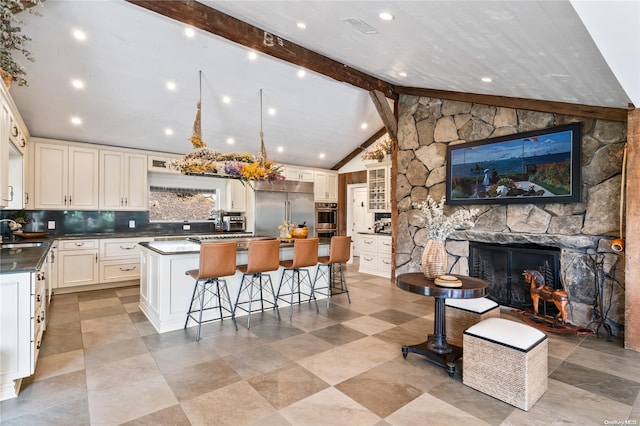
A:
(537, 166)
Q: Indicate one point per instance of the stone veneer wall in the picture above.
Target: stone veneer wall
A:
(426, 126)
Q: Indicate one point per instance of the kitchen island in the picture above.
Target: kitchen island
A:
(165, 290)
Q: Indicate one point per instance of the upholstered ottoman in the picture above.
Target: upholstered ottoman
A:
(507, 360)
(463, 313)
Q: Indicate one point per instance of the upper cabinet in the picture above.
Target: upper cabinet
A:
(160, 163)
(325, 186)
(66, 177)
(297, 173)
(236, 196)
(378, 182)
(123, 181)
(13, 147)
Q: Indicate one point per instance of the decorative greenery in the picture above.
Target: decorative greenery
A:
(441, 225)
(20, 217)
(13, 40)
(379, 151)
(244, 166)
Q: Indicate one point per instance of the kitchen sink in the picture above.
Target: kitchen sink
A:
(21, 245)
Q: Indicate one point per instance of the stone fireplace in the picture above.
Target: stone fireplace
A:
(502, 266)
(575, 230)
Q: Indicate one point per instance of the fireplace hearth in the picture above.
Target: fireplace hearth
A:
(502, 265)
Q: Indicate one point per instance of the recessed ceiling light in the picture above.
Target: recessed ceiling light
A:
(385, 16)
(226, 99)
(231, 141)
(301, 25)
(321, 155)
(487, 79)
(189, 32)
(171, 85)
(280, 149)
(271, 111)
(402, 74)
(79, 35)
(364, 126)
(302, 73)
(76, 120)
(78, 84)
(253, 55)
(168, 132)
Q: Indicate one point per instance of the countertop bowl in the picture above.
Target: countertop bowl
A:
(300, 232)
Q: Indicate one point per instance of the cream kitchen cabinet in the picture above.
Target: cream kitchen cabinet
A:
(375, 254)
(13, 138)
(66, 176)
(120, 259)
(325, 186)
(4, 154)
(78, 262)
(236, 196)
(297, 173)
(123, 181)
(378, 191)
(160, 163)
(24, 303)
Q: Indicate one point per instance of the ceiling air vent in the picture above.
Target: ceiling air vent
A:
(360, 25)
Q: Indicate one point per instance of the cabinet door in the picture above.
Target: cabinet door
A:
(77, 267)
(378, 189)
(320, 186)
(332, 187)
(111, 180)
(136, 192)
(4, 154)
(237, 196)
(51, 176)
(15, 327)
(83, 178)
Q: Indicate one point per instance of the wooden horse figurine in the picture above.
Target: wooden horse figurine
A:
(540, 290)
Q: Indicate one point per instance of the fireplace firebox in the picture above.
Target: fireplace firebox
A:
(502, 267)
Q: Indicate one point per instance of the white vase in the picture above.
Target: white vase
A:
(434, 258)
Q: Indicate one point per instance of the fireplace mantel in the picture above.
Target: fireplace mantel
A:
(575, 242)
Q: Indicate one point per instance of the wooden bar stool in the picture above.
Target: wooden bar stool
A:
(216, 260)
(263, 257)
(305, 254)
(339, 253)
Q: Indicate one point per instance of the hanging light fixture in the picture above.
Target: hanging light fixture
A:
(263, 149)
(196, 139)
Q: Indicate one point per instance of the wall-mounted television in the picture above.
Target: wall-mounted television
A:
(540, 166)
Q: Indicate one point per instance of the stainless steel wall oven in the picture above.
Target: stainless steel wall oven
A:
(326, 219)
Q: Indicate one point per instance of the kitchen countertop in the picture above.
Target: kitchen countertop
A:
(25, 259)
(374, 233)
(189, 247)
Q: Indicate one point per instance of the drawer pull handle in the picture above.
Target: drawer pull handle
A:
(368, 241)
(38, 298)
(79, 244)
(23, 143)
(386, 262)
(38, 344)
(368, 259)
(14, 131)
(127, 269)
(386, 244)
(127, 248)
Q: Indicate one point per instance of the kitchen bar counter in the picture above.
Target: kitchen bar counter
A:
(165, 289)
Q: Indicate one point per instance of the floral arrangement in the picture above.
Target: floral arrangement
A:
(441, 225)
(234, 165)
(379, 151)
(12, 39)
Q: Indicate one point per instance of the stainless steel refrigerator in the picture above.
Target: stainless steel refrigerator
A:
(283, 200)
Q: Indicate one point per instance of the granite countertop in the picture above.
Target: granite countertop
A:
(374, 233)
(190, 247)
(23, 259)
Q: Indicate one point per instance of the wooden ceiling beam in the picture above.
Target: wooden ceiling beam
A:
(220, 24)
(386, 114)
(588, 111)
(361, 148)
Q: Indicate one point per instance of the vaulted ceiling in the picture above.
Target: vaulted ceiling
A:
(534, 50)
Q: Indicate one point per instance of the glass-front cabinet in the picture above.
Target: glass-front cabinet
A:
(378, 187)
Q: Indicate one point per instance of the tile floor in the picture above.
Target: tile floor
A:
(103, 364)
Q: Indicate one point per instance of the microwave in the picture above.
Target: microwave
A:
(234, 223)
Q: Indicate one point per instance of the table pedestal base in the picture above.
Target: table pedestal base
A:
(446, 359)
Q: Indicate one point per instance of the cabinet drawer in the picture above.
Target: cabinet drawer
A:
(384, 245)
(384, 262)
(123, 248)
(78, 244)
(114, 271)
(368, 260)
(369, 243)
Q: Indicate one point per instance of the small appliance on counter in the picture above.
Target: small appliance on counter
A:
(382, 223)
(234, 223)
